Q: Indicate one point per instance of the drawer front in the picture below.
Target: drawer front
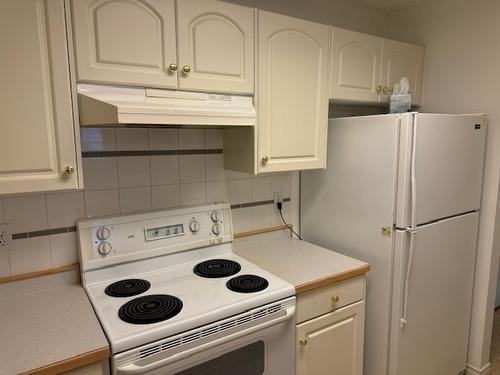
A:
(320, 301)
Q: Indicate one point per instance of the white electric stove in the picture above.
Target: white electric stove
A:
(173, 298)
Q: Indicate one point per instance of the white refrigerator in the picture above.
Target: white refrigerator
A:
(402, 192)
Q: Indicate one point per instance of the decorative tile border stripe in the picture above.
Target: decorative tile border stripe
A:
(201, 151)
(44, 232)
(48, 232)
(253, 204)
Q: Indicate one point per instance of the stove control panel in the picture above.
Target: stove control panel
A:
(123, 238)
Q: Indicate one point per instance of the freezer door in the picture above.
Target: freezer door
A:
(345, 207)
(449, 156)
(434, 338)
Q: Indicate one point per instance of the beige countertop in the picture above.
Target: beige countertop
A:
(48, 326)
(302, 264)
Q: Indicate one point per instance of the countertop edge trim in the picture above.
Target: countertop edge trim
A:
(72, 363)
(261, 231)
(332, 279)
(48, 271)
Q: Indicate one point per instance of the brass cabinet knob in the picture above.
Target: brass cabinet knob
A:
(69, 170)
(303, 342)
(335, 299)
(172, 67)
(265, 159)
(186, 69)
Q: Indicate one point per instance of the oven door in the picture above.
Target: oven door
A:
(258, 342)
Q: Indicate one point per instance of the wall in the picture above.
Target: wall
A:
(340, 13)
(462, 71)
(134, 169)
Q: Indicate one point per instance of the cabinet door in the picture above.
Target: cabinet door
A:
(355, 66)
(37, 134)
(403, 60)
(332, 343)
(216, 41)
(292, 97)
(125, 41)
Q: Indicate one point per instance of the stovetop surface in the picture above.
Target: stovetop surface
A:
(204, 300)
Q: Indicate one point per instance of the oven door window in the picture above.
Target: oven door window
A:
(248, 360)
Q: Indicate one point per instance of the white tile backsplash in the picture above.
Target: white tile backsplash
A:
(193, 194)
(166, 196)
(26, 212)
(262, 216)
(133, 171)
(190, 139)
(30, 254)
(192, 168)
(64, 208)
(98, 139)
(163, 139)
(121, 184)
(217, 191)
(102, 202)
(240, 191)
(164, 169)
(215, 168)
(100, 173)
(63, 249)
(242, 220)
(135, 199)
(261, 189)
(132, 139)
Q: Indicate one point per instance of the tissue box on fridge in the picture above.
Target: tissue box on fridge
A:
(400, 103)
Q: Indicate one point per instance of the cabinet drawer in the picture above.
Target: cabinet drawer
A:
(328, 298)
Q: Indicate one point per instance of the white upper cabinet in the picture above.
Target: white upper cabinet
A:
(37, 134)
(216, 43)
(403, 60)
(203, 45)
(365, 68)
(356, 61)
(125, 41)
(292, 97)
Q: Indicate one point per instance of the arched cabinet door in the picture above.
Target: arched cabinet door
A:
(403, 60)
(292, 97)
(355, 66)
(125, 41)
(216, 43)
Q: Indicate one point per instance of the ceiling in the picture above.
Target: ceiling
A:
(389, 5)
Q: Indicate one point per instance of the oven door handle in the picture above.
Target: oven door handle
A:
(132, 369)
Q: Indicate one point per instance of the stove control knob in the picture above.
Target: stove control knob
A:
(103, 233)
(104, 248)
(194, 226)
(215, 216)
(216, 229)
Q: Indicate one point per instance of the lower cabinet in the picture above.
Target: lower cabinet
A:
(98, 368)
(332, 342)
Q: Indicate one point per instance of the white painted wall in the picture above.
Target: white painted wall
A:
(340, 13)
(462, 74)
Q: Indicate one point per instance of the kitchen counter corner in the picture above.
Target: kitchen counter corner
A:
(302, 264)
(48, 330)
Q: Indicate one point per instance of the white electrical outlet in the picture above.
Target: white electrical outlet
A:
(5, 237)
(277, 197)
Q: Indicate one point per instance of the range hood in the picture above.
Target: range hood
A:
(109, 105)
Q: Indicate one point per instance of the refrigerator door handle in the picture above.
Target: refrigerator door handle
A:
(404, 317)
